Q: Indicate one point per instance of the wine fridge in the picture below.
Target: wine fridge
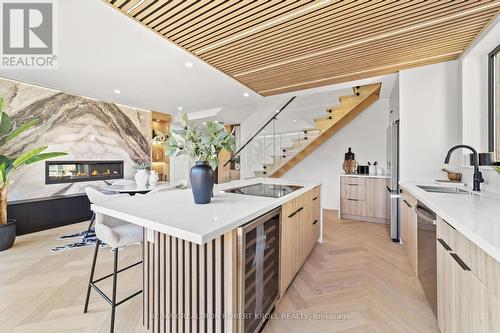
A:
(258, 270)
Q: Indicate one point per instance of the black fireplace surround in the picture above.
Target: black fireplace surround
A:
(82, 171)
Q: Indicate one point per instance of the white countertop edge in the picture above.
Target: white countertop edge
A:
(202, 239)
(364, 175)
(469, 234)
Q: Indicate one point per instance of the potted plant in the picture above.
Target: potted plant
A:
(141, 175)
(203, 146)
(9, 164)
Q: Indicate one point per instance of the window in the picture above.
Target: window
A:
(494, 102)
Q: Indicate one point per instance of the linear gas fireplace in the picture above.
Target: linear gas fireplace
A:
(81, 171)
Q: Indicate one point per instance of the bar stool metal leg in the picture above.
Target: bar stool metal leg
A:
(92, 219)
(92, 270)
(113, 297)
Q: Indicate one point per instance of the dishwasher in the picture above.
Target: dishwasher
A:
(426, 244)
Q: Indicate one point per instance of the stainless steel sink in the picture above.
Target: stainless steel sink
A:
(443, 189)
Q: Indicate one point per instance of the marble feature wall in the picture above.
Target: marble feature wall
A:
(85, 128)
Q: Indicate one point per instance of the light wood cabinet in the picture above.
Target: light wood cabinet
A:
(300, 231)
(466, 299)
(408, 227)
(364, 198)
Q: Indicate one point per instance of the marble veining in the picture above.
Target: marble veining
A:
(85, 128)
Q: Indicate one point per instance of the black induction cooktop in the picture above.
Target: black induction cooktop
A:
(265, 190)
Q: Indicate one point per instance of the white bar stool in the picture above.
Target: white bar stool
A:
(115, 233)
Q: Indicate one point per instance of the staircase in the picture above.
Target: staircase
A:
(287, 149)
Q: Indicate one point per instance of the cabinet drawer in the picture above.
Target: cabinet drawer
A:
(353, 207)
(353, 180)
(353, 191)
(482, 265)
(288, 209)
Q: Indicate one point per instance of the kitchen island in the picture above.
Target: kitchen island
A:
(207, 268)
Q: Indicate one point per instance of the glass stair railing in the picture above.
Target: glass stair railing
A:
(293, 126)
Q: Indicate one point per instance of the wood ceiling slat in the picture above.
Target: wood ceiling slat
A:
(304, 24)
(119, 3)
(389, 52)
(276, 46)
(343, 34)
(178, 11)
(139, 7)
(200, 28)
(244, 18)
(410, 45)
(447, 26)
(348, 67)
(259, 19)
(390, 69)
(394, 54)
(306, 46)
(204, 20)
(359, 58)
(150, 9)
(183, 18)
(359, 53)
(163, 9)
(334, 48)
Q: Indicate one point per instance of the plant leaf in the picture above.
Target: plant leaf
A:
(27, 155)
(21, 129)
(5, 121)
(44, 156)
(4, 161)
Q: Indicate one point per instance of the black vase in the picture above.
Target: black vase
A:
(202, 182)
(7, 234)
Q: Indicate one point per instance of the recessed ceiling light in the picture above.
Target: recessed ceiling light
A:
(116, 91)
(179, 108)
(204, 123)
(246, 94)
(295, 120)
(188, 64)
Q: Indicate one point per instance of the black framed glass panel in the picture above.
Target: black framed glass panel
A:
(494, 102)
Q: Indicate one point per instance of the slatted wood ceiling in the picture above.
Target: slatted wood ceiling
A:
(277, 46)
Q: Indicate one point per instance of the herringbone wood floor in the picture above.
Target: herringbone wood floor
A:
(357, 274)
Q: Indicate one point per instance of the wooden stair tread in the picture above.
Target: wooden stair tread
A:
(350, 107)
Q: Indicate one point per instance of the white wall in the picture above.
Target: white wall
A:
(430, 119)
(474, 66)
(366, 134)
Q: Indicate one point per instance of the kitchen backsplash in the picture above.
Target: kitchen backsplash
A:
(491, 178)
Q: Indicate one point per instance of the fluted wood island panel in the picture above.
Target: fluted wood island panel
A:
(189, 287)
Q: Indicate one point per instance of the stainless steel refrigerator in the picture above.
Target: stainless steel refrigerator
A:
(393, 169)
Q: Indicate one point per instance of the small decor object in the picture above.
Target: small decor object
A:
(350, 165)
(453, 176)
(349, 155)
(8, 165)
(363, 169)
(484, 158)
(141, 175)
(153, 178)
(203, 146)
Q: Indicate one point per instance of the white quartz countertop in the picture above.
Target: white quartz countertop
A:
(477, 217)
(364, 175)
(175, 213)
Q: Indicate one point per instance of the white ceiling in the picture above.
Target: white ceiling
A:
(100, 50)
